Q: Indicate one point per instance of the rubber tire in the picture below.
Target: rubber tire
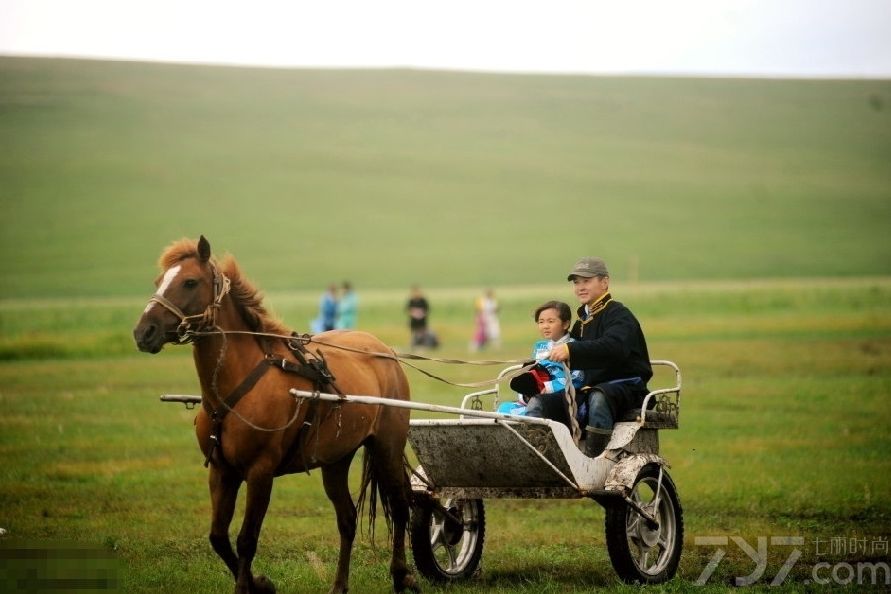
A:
(457, 554)
(621, 518)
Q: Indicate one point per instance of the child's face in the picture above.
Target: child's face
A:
(550, 325)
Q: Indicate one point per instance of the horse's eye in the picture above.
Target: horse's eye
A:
(190, 283)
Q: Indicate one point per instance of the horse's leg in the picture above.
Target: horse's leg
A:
(391, 474)
(335, 478)
(259, 488)
(223, 493)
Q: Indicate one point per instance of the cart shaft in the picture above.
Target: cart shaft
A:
(468, 412)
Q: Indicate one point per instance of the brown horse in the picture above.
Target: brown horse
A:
(267, 432)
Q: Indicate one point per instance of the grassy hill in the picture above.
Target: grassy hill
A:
(446, 179)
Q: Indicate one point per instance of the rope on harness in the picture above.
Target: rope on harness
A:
(402, 358)
(480, 384)
(571, 405)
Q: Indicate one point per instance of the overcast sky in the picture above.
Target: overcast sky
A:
(850, 38)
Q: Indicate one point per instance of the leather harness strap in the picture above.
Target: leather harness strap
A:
(316, 370)
(218, 414)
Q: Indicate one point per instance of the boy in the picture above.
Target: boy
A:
(543, 387)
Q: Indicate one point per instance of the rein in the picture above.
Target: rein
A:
(402, 358)
(196, 326)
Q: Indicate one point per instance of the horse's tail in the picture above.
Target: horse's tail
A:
(371, 489)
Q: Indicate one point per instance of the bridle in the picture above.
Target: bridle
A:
(185, 331)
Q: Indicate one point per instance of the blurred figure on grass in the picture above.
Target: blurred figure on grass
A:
(487, 329)
(418, 309)
(347, 308)
(327, 318)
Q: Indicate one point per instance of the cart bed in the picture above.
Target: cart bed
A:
(487, 458)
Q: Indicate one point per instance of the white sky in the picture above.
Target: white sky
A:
(850, 38)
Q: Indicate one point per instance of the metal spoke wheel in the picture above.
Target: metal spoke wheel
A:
(447, 538)
(641, 550)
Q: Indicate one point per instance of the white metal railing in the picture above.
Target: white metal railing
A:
(676, 389)
(495, 390)
(465, 410)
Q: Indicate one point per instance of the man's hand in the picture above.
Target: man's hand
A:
(559, 353)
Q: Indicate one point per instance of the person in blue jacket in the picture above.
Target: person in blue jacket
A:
(327, 311)
(543, 387)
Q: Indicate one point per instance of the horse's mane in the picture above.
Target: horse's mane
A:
(246, 297)
(177, 252)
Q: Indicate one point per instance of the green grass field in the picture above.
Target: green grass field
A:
(445, 179)
(745, 222)
(783, 434)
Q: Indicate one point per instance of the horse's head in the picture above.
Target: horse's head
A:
(189, 292)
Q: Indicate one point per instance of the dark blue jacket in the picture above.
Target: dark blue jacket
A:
(611, 347)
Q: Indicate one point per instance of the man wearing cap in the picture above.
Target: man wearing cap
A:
(610, 347)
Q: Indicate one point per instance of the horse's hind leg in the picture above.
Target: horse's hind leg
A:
(259, 488)
(335, 478)
(393, 480)
(223, 493)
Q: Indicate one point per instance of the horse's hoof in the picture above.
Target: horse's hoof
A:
(263, 585)
(408, 583)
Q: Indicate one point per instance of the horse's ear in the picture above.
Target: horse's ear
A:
(204, 249)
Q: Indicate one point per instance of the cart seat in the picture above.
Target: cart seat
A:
(661, 406)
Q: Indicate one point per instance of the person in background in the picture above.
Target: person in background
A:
(610, 347)
(543, 388)
(418, 310)
(347, 308)
(327, 310)
(487, 328)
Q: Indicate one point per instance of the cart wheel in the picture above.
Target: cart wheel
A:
(639, 551)
(447, 539)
